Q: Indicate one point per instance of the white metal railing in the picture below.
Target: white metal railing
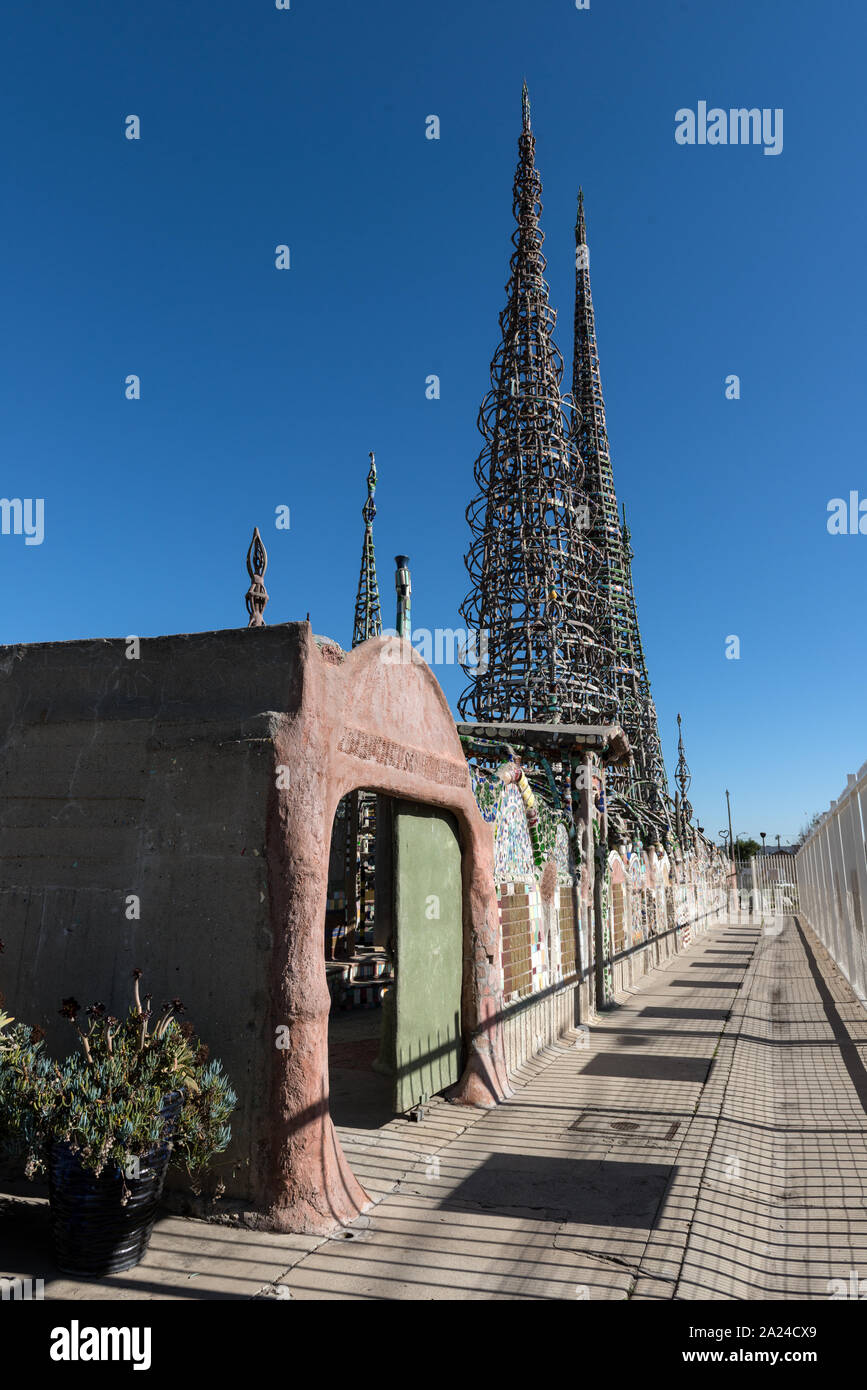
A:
(831, 868)
(774, 888)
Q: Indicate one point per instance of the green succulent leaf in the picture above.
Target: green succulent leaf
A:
(113, 1099)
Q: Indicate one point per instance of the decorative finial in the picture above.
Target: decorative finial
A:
(525, 106)
(257, 594)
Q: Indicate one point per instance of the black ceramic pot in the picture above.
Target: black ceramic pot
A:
(95, 1231)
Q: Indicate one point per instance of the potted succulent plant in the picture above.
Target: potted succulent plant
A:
(106, 1121)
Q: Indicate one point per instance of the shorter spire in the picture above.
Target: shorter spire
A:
(368, 620)
(368, 511)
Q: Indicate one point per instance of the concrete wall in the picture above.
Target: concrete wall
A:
(539, 1021)
(203, 778)
(142, 778)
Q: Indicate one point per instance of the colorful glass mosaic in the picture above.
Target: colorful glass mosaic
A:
(487, 790)
(513, 849)
(562, 856)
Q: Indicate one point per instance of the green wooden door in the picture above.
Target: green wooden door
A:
(428, 936)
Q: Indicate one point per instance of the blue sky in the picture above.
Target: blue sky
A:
(263, 387)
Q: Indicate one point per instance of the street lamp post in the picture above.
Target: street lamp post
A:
(745, 870)
(724, 836)
(731, 836)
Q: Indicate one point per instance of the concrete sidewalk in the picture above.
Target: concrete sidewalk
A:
(708, 1143)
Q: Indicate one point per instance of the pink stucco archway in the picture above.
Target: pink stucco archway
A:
(376, 718)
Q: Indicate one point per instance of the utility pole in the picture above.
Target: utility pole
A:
(731, 836)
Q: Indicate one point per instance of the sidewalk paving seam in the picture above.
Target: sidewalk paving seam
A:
(669, 1247)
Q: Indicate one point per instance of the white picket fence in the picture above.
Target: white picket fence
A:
(831, 867)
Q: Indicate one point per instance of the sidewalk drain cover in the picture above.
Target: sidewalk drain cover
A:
(659, 1130)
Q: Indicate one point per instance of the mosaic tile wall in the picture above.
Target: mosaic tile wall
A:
(568, 952)
(638, 907)
(619, 916)
(681, 894)
(527, 968)
(524, 963)
(513, 849)
(651, 900)
(562, 856)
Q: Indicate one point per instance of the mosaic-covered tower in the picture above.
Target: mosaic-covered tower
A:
(531, 563)
(626, 680)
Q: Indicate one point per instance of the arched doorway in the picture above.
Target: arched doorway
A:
(395, 984)
(374, 717)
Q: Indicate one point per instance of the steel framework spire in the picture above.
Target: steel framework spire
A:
(531, 564)
(683, 778)
(360, 808)
(591, 440)
(650, 781)
(368, 615)
(627, 685)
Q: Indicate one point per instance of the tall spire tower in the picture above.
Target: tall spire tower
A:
(627, 685)
(368, 615)
(531, 565)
